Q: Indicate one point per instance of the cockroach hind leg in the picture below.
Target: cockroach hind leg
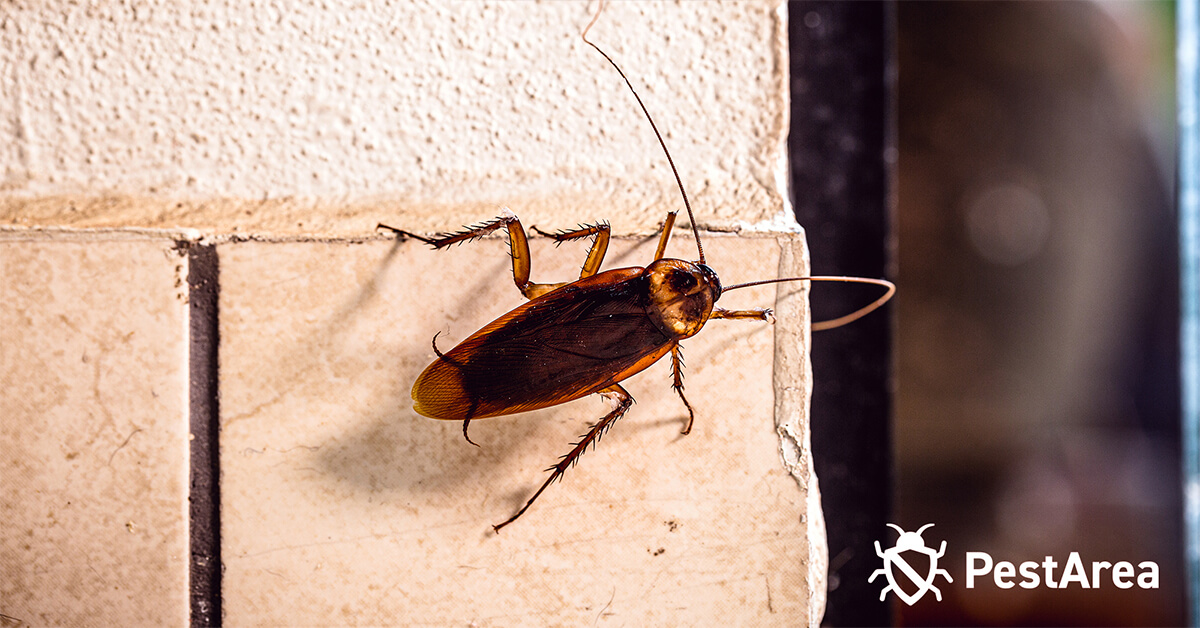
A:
(623, 401)
(469, 232)
(403, 235)
(546, 234)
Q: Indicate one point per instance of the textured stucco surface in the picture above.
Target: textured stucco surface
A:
(299, 118)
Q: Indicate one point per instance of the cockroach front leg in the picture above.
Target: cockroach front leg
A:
(517, 243)
(664, 236)
(758, 314)
(595, 256)
(622, 401)
(677, 385)
(762, 314)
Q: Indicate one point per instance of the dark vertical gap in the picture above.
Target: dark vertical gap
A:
(840, 137)
(204, 500)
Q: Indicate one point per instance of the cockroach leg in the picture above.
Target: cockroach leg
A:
(758, 313)
(667, 225)
(622, 400)
(518, 246)
(677, 384)
(469, 232)
(405, 234)
(595, 256)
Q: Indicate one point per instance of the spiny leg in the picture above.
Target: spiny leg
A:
(595, 256)
(758, 314)
(406, 234)
(677, 376)
(761, 314)
(467, 233)
(623, 400)
(518, 247)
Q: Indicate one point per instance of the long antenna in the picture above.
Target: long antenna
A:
(841, 320)
(661, 142)
(819, 326)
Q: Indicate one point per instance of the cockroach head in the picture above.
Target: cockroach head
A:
(682, 295)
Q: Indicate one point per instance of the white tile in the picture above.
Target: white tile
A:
(93, 432)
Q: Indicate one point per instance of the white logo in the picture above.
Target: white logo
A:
(892, 558)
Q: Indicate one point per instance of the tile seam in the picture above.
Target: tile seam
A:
(204, 529)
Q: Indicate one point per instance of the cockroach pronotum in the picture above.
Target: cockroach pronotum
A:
(583, 337)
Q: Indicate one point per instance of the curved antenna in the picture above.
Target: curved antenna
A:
(898, 528)
(923, 528)
(841, 320)
(661, 142)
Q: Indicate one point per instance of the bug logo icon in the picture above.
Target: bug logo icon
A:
(894, 560)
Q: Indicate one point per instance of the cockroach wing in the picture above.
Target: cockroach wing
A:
(563, 345)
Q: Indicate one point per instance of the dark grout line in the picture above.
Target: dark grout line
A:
(204, 496)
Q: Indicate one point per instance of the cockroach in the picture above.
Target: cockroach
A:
(584, 337)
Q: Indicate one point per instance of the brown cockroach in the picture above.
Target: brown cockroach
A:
(583, 337)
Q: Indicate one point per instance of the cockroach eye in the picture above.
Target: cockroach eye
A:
(714, 282)
(682, 281)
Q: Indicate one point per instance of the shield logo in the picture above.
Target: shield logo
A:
(903, 562)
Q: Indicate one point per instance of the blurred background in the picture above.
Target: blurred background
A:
(1037, 401)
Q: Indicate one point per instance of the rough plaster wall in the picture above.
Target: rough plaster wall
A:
(300, 118)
